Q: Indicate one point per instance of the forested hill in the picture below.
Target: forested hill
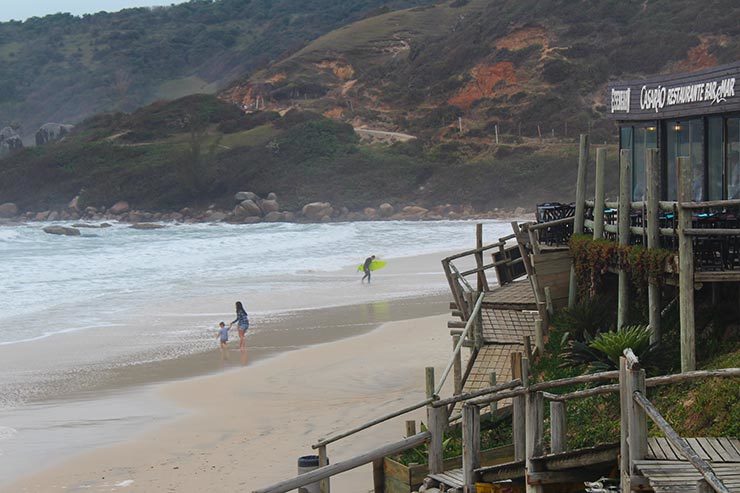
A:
(62, 68)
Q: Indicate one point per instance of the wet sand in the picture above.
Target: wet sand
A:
(68, 409)
(244, 428)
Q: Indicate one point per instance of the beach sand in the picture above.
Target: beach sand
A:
(246, 427)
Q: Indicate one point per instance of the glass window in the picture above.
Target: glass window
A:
(715, 151)
(644, 138)
(696, 152)
(733, 158)
(685, 139)
(625, 138)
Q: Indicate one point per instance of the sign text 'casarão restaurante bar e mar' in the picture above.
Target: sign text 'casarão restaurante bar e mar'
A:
(699, 93)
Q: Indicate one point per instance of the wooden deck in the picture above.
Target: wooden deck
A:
(517, 295)
(668, 472)
(680, 476)
(507, 318)
(452, 478)
(507, 326)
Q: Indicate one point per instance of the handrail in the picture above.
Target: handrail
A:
(562, 382)
(477, 393)
(556, 222)
(681, 445)
(649, 382)
(459, 345)
(467, 253)
(459, 276)
(340, 467)
(711, 203)
(376, 421)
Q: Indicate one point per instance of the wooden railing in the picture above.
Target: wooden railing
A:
(460, 287)
(636, 408)
(528, 423)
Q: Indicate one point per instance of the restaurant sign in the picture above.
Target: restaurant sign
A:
(709, 91)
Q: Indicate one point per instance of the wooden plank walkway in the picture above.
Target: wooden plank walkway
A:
(507, 326)
(726, 450)
(452, 478)
(680, 476)
(492, 357)
(517, 295)
(668, 471)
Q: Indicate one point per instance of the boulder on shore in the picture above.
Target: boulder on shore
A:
(8, 209)
(62, 230)
(247, 208)
(269, 206)
(242, 196)
(316, 211)
(386, 210)
(273, 217)
(119, 207)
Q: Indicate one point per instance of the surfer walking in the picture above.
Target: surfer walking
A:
(366, 268)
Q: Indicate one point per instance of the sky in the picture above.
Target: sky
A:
(13, 9)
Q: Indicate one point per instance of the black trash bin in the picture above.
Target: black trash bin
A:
(306, 464)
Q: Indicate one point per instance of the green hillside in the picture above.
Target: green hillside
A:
(63, 68)
(532, 68)
(199, 150)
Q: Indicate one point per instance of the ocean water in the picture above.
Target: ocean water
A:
(55, 284)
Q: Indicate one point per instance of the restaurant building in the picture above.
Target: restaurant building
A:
(695, 115)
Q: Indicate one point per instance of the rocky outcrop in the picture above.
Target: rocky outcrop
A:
(8, 210)
(386, 210)
(9, 140)
(52, 132)
(120, 207)
(247, 208)
(242, 196)
(62, 230)
(317, 211)
(268, 206)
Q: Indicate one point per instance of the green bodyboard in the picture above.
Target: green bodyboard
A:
(374, 265)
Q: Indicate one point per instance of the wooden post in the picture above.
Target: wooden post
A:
(518, 410)
(653, 237)
(580, 209)
(527, 347)
(410, 428)
(625, 173)
(482, 281)
(437, 424)
(686, 268)
(378, 476)
(478, 323)
(600, 193)
(539, 337)
(494, 404)
(471, 445)
(457, 367)
(558, 427)
(548, 301)
(624, 401)
(637, 438)
(534, 432)
(429, 381)
(324, 484)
